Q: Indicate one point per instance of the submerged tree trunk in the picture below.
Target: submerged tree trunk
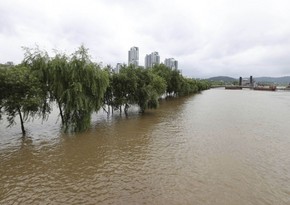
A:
(109, 110)
(21, 121)
(60, 111)
(126, 109)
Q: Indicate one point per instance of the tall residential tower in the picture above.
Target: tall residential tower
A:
(133, 56)
(171, 63)
(152, 59)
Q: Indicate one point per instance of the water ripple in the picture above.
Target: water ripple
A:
(196, 150)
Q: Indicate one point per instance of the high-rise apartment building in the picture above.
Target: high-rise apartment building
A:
(152, 59)
(171, 63)
(133, 56)
(118, 67)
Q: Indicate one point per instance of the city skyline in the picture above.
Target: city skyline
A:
(149, 61)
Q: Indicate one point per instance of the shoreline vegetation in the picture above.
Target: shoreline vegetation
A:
(80, 87)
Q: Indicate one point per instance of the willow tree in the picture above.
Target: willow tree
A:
(20, 94)
(202, 84)
(124, 86)
(37, 61)
(150, 87)
(188, 86)
(83, 90)
(109, 95)
(165, 73)
(59, 80)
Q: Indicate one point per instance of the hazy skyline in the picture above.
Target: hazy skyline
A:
(207, 37)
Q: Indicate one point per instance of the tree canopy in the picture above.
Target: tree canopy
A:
(80, 87)
(20, 94)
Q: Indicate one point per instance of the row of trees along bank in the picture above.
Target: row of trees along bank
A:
(80, 87)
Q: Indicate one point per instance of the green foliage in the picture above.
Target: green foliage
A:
(144, 87)
(149, 88)
(76, 83)
(125, 86)
(137, 86)
(177, 85)
(37, 61)
(176, 82)
(80, 87)
(20, 94)
(203, 85)
(166, 74)
(188, 86)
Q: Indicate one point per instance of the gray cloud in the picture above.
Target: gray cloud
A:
(209, 37)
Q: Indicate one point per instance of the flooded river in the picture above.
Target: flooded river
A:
(219, 147)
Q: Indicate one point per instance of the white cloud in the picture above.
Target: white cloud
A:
(208, 37)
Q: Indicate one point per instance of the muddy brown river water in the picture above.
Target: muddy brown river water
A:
(219, 147)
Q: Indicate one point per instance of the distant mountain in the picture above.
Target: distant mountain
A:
(222, 78)
(276, 80)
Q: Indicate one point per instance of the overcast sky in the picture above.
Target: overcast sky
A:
(207, 37)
